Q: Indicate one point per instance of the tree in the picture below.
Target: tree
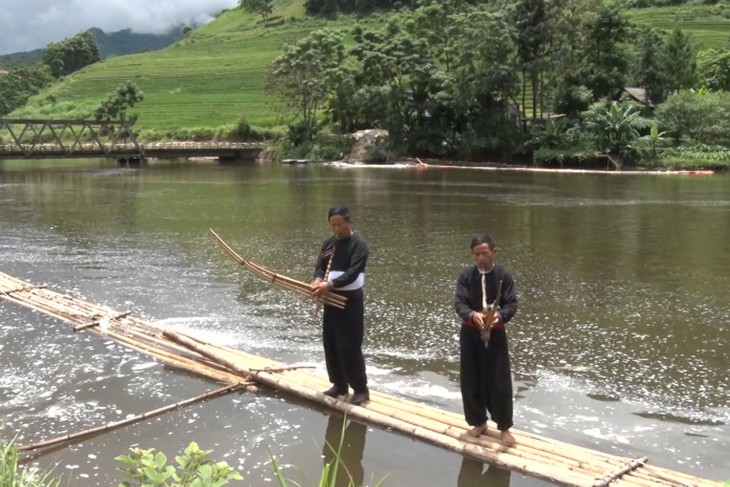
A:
(615, 129)
(713, 69)
(485, 82)
(302, 74)
(71, 54)
(115, 107)
(680, 61)
(263, 7)
(649, 69)
(701, 116)
(400, 85)
(533, 35)
(605, 62)
(20, 84)
(654, 137)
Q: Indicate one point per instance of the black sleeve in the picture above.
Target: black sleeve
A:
(508, 301)
(461, 298)
(359, 253)
(322, 260)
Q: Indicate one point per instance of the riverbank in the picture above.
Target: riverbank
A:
(425, 164)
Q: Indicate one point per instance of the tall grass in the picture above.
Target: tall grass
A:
(13, 474)
(331, 475)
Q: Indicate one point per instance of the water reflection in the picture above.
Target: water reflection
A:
(351, 451)
(472, 474)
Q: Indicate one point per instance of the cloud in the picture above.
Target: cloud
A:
(32, 24)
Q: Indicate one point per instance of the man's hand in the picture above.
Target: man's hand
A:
(319, 287)
(496, 319)
(478, 318)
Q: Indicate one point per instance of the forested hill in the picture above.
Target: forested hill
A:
(445, 76)
(110, 44)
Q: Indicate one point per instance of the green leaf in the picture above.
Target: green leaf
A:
(160, 460)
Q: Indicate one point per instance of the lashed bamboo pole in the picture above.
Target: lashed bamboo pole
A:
(632, 465)
(133, 419)
(607, 463)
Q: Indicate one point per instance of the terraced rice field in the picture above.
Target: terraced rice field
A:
(208, 80)
(709, 25)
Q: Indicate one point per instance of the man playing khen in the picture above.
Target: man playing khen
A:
(485, 375)
(341, 269)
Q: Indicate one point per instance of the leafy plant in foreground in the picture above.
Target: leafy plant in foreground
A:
(148, 469)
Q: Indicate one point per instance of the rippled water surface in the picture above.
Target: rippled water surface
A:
(621, 342)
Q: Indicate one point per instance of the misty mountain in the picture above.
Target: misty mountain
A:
(112, 44)
(128, 42)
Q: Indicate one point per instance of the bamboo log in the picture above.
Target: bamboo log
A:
(134, 419)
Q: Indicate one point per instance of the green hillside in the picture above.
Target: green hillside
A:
(217, 74)
(708, 24)
(209, 79)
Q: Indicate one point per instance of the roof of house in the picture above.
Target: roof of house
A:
(638, 94)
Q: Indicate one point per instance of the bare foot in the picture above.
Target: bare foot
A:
(507, 438)
(476, 431)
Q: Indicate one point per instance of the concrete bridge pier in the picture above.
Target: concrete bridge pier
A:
(132, 161)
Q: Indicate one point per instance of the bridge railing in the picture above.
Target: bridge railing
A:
(29, 137)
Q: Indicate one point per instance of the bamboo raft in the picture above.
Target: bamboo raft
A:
(533, 455)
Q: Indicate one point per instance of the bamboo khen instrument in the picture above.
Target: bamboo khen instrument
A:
(280, 280)
(532, 455)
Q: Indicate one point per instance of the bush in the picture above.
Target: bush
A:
(244, 132)
(698, 156)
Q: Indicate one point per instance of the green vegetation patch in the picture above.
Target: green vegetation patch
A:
(709, 25)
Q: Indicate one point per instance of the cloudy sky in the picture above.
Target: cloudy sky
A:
(31, 24)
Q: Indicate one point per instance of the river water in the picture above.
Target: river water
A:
(621, 343)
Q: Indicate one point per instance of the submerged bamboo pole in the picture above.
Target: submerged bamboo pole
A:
(134, 419)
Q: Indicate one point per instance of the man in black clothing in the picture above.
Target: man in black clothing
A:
(485, 376)
(341, 269)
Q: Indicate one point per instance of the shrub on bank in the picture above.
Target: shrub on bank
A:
(698, 156)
